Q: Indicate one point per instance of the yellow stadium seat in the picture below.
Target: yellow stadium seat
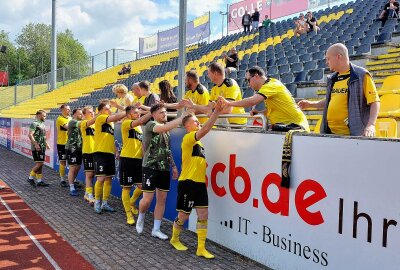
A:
(318, 126)
(390, 103)
(386, 128)
(391, 84)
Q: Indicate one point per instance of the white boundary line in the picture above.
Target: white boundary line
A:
(33, 238)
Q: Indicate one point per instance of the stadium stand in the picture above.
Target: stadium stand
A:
(297, 61)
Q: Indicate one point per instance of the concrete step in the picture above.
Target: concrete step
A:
(384, 67)
(394, 50)
(385, 74)
(383, 62)
(388, 55)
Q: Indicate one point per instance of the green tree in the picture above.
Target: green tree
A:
(35, 39)
(15, 61)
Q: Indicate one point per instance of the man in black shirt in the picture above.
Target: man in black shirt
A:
(390, 10)
(150, 98)
(312, 22)
(255, 19)
(231, 60)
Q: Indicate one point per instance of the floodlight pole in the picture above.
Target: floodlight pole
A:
(53, 76)
(182, 48)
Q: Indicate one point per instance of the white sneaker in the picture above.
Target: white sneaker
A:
(159, 234)
(139, 226)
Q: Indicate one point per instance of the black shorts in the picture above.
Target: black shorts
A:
(62, 155)
(104, 164)
(38, 156)
(130, 171)
(74, 158)
(191, 195)
(152, 179)
(88, 163)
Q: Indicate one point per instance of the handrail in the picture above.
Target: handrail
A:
(237, 127)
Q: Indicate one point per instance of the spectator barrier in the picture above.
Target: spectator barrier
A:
(340, 212)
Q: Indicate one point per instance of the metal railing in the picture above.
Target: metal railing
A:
(110, 58)
(28, 89)
(223, 123)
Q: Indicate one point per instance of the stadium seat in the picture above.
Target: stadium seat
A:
(384, 37)
(292, 87)
(317, 127)
(390, 104)
(386, 128)
(391, 85)
(316, 75)
(301, 76)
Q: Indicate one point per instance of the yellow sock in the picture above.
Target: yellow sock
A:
(39, 176)
(62, 171)
(89, 190)
(127, 206)
(107, 190)
(136, 194)
(98, 190)
(125, 200)
(175, 242)
(32, 174)
(201, 244)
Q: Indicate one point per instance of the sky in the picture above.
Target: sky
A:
(101, 25)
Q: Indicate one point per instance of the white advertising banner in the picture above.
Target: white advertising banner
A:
(341, 211)
(150, 44)
(20, 142)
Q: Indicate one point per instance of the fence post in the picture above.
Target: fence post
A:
(113, 57)
(15, 94)
(48, 82)
(92, 64)
(106, 59)
(32, 88)
(63, 75)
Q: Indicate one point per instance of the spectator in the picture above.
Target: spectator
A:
(255, 19)
(282, 110)
(226, 87)
(125, 99)
(122, 71)
(390, 10)
(137, 95)
(266, 22)
(352, 103)
(303, 22)
(196, 92)
(167, 96)
(299, 29)
(128, 69)
(312, 22)
(246, 21)
(150, 98)
(231, 60)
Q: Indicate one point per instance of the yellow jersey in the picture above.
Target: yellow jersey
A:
(87, 138)
(280, 106)
(338, 113)
(131, 140)
(199, 96)
(62, 135)
(193, 159)
(104, 135)
(230, 90)
(136, 99)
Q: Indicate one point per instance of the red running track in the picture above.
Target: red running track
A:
(28, 242)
